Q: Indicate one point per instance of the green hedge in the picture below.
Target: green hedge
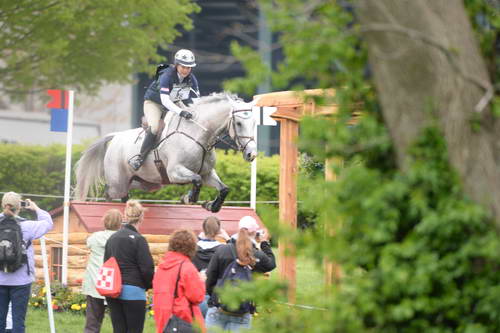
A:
(40, 170)
(35, 169)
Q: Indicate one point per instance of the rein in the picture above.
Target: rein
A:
(239, 146)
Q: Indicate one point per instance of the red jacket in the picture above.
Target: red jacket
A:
(190, 292)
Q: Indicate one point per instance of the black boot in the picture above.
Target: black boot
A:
(146, 147)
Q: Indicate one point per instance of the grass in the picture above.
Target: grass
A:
(67, 322)
(309, 276)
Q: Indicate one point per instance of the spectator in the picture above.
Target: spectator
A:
(177, 266)
(136, 264)
(262, 248)
(15, 286)
(209, 240)
(94, 313)
(246, 247)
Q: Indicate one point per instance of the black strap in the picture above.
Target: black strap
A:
(233, 251)
(175, 292)
(27, 245)
(176, 284)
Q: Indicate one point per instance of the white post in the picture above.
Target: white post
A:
(67, 186)
(47, 284)
(253, 176)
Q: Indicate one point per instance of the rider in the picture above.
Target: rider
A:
(173, 88)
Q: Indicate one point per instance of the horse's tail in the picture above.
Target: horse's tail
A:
(90, 169)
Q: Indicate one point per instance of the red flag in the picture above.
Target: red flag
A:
(60, 99)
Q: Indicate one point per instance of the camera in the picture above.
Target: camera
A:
(24, 204)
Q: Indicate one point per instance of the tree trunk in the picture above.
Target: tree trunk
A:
(427, 66)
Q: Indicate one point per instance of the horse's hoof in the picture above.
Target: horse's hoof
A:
(185, 199)
(215, 209)
(207, 205)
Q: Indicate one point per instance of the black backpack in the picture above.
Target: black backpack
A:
(12, 246)
(234, 274)
(159, 69)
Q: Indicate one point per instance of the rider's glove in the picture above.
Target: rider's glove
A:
(186, 114)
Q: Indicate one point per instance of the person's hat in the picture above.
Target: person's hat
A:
(248, 223)
(13, 199)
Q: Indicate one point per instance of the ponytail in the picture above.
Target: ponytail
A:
(134, 212)
(244, 248)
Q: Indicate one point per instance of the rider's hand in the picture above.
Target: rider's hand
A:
(186, 114)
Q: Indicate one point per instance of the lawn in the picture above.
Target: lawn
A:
(308, 277)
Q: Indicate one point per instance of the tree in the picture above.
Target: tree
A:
(83, 44)
(417, 254)
(427, 65)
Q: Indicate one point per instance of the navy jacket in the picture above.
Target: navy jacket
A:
(168, 83)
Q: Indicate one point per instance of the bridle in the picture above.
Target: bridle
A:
(238, 138)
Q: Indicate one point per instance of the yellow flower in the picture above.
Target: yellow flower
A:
(35, 304)
(152, 312)
(44, 291)
(54, 301)
(84, 305)
(75, 307)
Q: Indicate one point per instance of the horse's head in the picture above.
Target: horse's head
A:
(242, 128)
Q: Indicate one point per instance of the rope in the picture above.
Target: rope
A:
(300, 306)
(142, 200)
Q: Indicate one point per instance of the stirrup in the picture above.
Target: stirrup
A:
(136, 162)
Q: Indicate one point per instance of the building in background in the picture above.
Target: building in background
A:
(219, 23)
(94, 116)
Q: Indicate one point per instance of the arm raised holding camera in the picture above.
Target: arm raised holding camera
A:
(41, 226)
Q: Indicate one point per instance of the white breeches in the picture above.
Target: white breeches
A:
(153, 112)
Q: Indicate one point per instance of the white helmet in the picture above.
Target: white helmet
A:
(185, 58)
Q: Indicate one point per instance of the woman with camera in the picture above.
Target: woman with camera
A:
(17, 264)
(249, 251)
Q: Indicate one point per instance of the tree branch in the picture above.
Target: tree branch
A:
(417, 35)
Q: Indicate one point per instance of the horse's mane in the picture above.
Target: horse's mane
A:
(216, 98)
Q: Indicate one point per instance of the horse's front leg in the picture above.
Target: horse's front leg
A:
(213, 180)
(182, 175)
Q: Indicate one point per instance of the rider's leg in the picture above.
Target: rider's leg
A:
(153, 113)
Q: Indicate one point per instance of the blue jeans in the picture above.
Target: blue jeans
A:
(217, 319)
(204, 306)
(19, 296)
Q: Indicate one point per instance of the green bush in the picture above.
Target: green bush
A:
(36, 170)
(40, 170)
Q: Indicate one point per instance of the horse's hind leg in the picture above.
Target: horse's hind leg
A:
(117, 188)
(213, 180)
(193, 194)
(182, 175)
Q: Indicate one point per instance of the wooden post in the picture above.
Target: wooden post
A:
(289, 131)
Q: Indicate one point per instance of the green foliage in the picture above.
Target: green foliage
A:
(416, 254)
(82, 44)
(63, 298)
(35, 169)
(484, 17)
(234, 171)
(40, 170)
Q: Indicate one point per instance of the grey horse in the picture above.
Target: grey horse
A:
(185, 149)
